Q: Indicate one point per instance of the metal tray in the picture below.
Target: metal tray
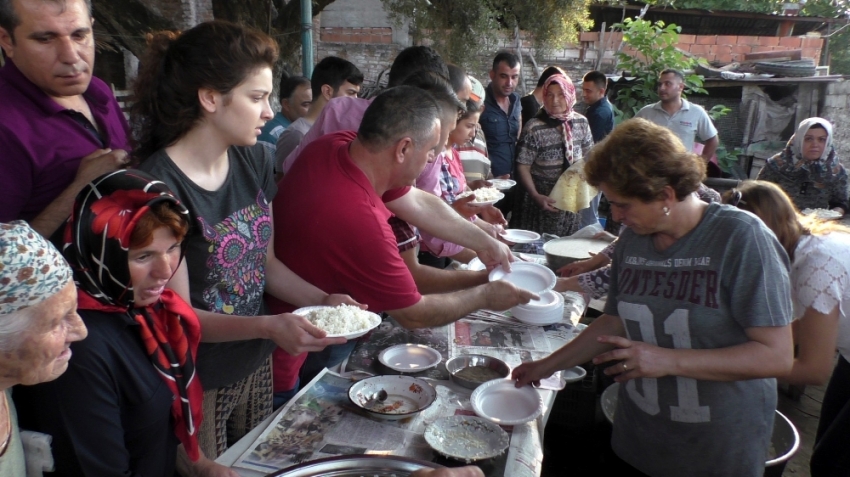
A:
(357, 466)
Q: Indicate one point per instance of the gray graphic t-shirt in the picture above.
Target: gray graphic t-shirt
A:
(726, 275)
(226, 252)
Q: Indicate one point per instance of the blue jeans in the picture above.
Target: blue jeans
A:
(327, 358)
(283, 397)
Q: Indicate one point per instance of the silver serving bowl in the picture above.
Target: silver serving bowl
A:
(456, 364)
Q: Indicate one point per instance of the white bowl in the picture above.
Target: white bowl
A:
(410, 358)
(500, 401)
(546, 311)
(529, 276)
(406, 396)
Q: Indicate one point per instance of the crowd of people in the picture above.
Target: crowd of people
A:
(178, 243)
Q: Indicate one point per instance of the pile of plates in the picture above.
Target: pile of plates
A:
(547, 310)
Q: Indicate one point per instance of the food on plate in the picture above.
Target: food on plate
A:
(342, 319)
(824, 214)
(571, 192)
(484, 194)
(478, 374)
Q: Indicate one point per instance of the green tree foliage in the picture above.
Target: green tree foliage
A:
(655, 45)
(461, 29)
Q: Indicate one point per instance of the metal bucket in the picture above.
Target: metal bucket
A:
(565, 250)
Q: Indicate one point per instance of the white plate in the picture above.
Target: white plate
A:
(823, 214)
(475, 265)
(520, 236)
(477, 203)
(466, 438)
(376, 320)
(410, 358)
(502, 402)
(609, 401)
(406, 396)
(530, 276)
(502, 184)
(576, 373)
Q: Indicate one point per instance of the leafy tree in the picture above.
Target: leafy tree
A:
(461, 29)
(654, 46)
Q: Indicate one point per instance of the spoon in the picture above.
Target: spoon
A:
(378, 397)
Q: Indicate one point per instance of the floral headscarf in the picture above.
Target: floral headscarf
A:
(31, 269)
(97, 244)
(569, 92)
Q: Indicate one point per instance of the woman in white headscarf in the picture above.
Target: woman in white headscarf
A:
(38, 323)
(808, 170)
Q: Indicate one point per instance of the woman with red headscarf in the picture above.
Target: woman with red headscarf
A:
(550, 142)
(131, 393)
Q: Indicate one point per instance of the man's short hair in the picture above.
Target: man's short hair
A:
(457, 77)
(398, 112)
(598, 78)
(334, 71)
(548, 73)
(289, 85)
(507, 57)
(9, 19)
(673, 71)
(415, 58)
(439, 88)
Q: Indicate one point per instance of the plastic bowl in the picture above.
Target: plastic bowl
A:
(458, 363)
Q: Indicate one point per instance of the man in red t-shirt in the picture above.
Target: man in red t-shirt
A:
(332, 228)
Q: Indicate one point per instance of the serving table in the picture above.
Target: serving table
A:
(321, 422)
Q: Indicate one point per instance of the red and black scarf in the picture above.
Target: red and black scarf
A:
(97, 246)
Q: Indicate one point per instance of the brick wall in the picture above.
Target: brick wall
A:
(836, 108)
(714, 48)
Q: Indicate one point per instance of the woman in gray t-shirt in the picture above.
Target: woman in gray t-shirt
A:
(697, 318)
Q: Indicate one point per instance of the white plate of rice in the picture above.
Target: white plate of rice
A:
(483, 196)
(343, 321)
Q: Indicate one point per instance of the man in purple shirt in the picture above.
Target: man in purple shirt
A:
(60, 127)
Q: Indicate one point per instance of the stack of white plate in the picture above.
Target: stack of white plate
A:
(547, 310)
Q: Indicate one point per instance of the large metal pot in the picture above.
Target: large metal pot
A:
(563, 251)
(357, 465)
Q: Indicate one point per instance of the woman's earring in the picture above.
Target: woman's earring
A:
(666, 210)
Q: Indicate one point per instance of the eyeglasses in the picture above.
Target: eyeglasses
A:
(737, 198)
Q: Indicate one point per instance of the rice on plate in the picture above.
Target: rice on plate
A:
(342, 320)
(484, 194)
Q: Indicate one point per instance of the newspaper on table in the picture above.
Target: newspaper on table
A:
(320, 422)
(500, 336)
(364, 357)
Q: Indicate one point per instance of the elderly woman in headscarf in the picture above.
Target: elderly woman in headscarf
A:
(808, 170)
(550, 143)
(38, 323)
(131, 393)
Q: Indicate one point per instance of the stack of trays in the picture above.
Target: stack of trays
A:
(547, 310)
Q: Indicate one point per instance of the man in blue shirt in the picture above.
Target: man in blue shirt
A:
(600, 116)
(500, 119)
(599, 113)
(295, 98)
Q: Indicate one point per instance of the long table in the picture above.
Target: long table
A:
(320, 422)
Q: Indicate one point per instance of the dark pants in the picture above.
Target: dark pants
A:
(831, 456)
(428, 258)
(327, 358)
